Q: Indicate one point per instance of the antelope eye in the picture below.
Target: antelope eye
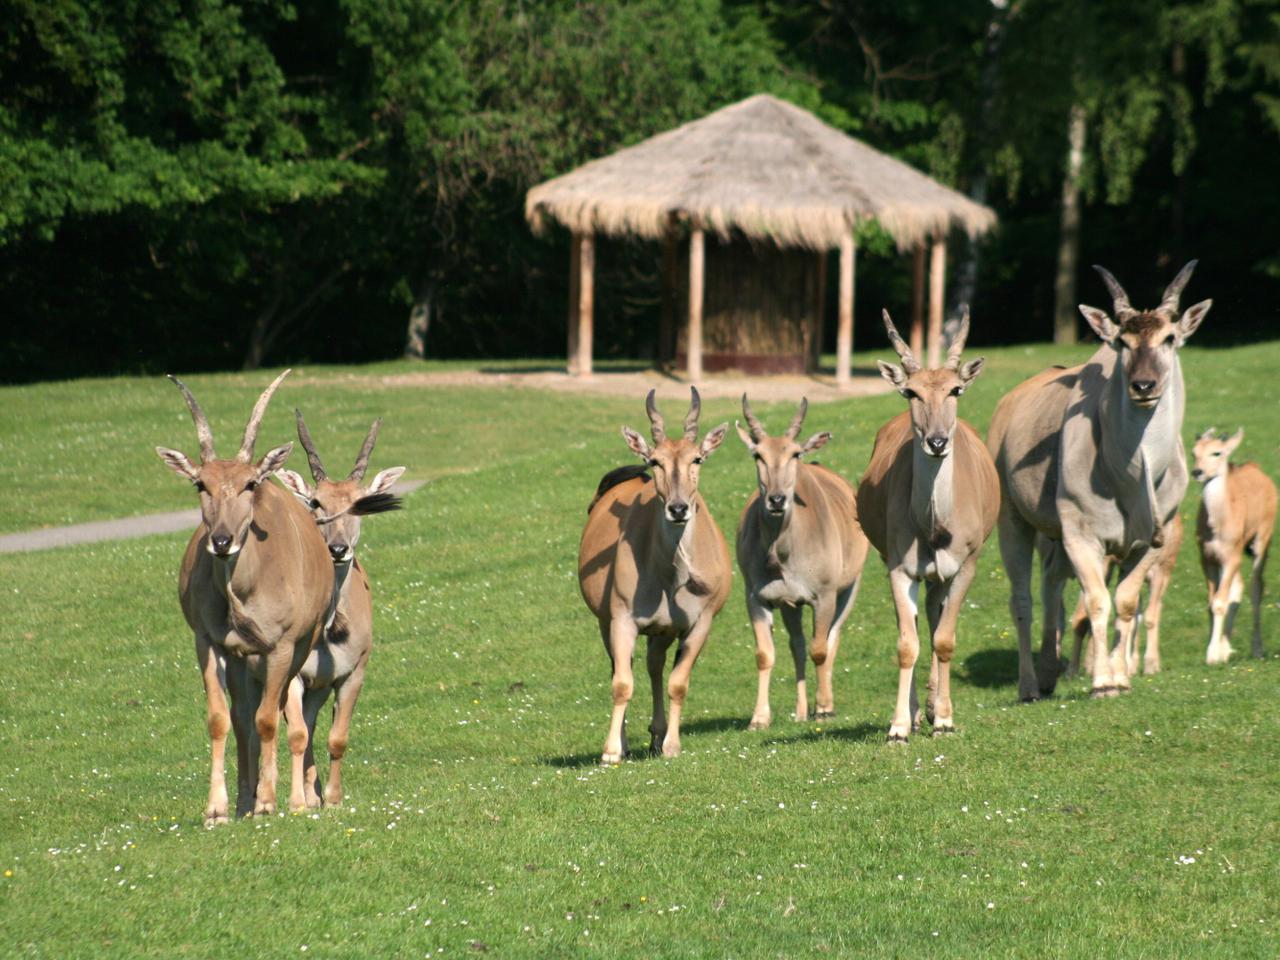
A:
(251, 486)
(313, 503)
(652, 462)
(1169, 340)
(910, 394)
(1217, 453)
(697, 460)
(756, 457)
(200, 487)
(797, 455)
(956, 391)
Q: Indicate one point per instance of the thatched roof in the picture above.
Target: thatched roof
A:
(763, 167)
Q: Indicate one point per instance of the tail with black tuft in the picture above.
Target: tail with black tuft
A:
(376, 503)
(615, 477)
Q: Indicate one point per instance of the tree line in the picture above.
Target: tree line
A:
(187, 186)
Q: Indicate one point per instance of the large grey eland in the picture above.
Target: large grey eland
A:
(1092, 458)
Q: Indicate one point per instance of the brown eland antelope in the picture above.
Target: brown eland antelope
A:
(255, 586)
(652, 561)
(1237, 516)
(927, 502)
(339, 659)
(799, 544)
(1092, 457)
(1158, 578)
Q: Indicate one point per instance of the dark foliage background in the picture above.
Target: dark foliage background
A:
(202, 186)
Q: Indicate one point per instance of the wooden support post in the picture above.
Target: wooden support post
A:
(819, 312)
(667, 322)
(937, 286)
(844, 332)
(916, 340)
(586, 302)
(575, 268)
(694, 346)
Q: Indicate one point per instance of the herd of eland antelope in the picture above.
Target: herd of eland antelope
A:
(1083, 466)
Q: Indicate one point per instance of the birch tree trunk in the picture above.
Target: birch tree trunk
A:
(1064, 288)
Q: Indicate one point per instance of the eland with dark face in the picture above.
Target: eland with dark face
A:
(340, 658)
(652, 561)
(927, 502)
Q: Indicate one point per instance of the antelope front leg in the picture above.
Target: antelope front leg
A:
(1090, 565)
(793, 619)
(656, 659)
(218, 718)
(826, 702)
(312, 701)
(944, 644)
(1219, 603)
(345, 696)
(1055, 570)
(762, 626)
(935, 595)
(905, 593)
(275, 690)
(240, 686)
(678, 686)
(1159, 581)
(296, 725)
(622, 645)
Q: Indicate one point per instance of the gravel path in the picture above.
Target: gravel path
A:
(127, 528)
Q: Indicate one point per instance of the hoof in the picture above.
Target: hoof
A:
(896, 737)
(264, 810)
(759, 724)
(1029, 698)
(213, 819)
(1047, 692)
(608, 759)
(671, 751)
(1102, 693)
(824, 715)
(1150, 668)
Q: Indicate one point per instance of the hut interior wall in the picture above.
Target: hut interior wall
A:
(759, 308)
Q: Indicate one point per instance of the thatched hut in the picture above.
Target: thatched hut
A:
(766, 172)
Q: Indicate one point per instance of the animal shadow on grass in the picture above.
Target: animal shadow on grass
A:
(991, 668)
(787, 732)
(637, 367)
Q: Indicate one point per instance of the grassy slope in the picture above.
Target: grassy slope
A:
(476, 812)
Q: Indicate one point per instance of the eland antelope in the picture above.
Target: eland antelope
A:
(1237, 516)
(255, 586)
(1092, 457)
(927, 502)
(799, 544)
(652, 561)
(339, 659)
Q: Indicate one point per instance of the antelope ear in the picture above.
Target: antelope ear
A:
(1192, 317)
(969, 371)
(1233, 441)
(178, 463)
(745, 437)
(817, 441)
(1101, 324)
(274, 460)
(384, 480)
(892, 372)
(637, 444)
(712, 440)
(295, 484)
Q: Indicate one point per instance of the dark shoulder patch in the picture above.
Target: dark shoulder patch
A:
(615, 477)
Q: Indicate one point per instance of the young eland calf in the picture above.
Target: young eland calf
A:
(255, 586)
(1237, 516)
(927, 503)
(799, 544)
(339, 659)
(652, 561)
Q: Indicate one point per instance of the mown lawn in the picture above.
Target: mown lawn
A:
(477, 820)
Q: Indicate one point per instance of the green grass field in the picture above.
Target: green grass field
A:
(477, 819)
